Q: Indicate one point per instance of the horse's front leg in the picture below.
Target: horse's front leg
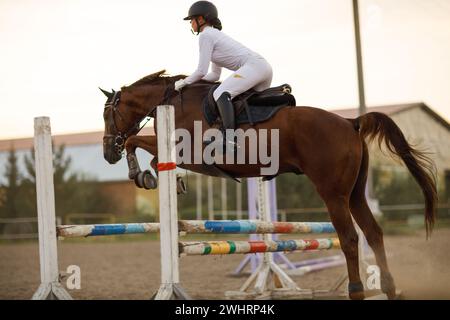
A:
(143, 179)
(146, 179)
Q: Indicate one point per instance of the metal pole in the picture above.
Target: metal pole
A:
(224, 198)
(362, 110)
(210, 198)
(362, 98)
(199, 197)
(239, 201)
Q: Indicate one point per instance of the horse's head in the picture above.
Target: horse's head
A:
(114, 136)
(124, 110)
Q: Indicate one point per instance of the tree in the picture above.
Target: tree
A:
(397, 188)
(73, 192)
(9, 206)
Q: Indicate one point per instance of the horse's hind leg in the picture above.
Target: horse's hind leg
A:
(334, 179)
(372, 231)
(338, 207)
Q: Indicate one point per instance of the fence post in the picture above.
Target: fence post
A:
(50, 287)
(168, 213)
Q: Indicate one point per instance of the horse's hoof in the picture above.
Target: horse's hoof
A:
(388, 285)
(149, 180)
(357, 295)
(146, 180)
(181, 187)
(356, 291)
(139, 180)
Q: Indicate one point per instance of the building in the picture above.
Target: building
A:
(424, 129)
(86, 152)
(421, 126)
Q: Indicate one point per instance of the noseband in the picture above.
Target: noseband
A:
(117, 136)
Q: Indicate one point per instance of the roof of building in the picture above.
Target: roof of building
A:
(393, 109)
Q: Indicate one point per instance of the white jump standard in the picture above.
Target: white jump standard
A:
(50, 288)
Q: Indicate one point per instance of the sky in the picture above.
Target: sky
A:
(54, 54)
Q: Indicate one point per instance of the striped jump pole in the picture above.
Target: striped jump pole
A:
(197, 227)
(254, 226)
(244, 247)
(92, 230)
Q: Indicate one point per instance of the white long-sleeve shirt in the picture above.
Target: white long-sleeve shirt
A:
(220, 49)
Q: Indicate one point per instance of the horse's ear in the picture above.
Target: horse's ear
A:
(106, 93)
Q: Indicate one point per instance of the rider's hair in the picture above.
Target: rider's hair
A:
(215, 23)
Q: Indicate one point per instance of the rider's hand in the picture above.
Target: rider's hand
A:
(180, 84)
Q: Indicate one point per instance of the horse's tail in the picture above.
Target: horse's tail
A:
(376, 124)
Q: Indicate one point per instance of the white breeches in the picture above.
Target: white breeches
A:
(256, 73)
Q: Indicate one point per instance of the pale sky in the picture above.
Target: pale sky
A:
(55, 54)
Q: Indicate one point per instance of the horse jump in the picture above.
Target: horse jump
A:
(169, 226)
(171, 248)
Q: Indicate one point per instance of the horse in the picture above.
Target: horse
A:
(330, 150)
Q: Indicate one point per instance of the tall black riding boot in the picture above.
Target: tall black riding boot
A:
(226, 111)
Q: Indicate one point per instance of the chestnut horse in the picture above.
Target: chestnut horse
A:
(330, 150)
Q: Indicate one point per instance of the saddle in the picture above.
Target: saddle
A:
(251, 106)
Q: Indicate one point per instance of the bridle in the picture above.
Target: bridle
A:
(117, 136)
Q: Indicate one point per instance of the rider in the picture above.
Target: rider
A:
(251, 69)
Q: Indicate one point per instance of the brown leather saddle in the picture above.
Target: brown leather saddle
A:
(251, 106)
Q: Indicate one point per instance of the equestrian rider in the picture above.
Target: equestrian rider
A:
(251, 69)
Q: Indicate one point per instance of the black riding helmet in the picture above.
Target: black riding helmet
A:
(207, 10)
(202, 8)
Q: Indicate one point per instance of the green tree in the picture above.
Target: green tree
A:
(397, 188)
(74, 193)
(28, 186)
(9, 206)
(297, 191)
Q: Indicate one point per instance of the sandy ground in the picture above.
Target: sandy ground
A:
(131, 269)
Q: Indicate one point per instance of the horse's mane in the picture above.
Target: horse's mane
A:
(155, 78)
(158, 77)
